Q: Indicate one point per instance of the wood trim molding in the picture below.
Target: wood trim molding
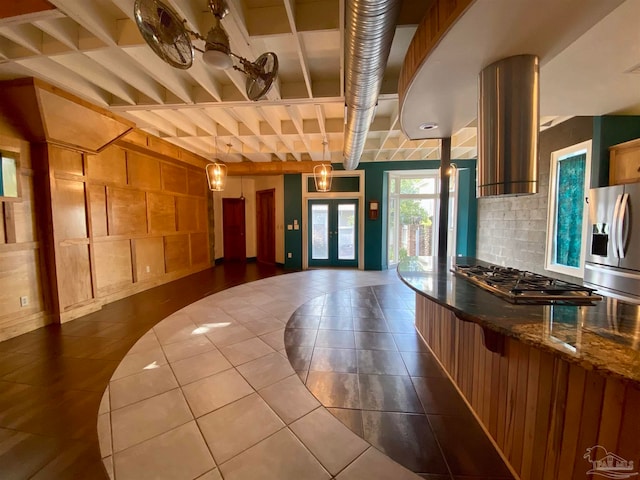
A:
(440, 17)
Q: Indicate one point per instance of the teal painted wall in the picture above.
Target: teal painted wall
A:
(467, 226)
(375, 184)
(293, 211)
(609, 130)
(375, 231)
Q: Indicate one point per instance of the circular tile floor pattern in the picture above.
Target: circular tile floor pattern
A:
(358, 352)
(209, 392)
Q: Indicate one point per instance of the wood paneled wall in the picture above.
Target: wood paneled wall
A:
(106, 226)
(20, 252)
(543, 412)
(122, 222)
(89, 227)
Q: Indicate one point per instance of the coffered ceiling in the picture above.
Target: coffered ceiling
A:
(92, 48)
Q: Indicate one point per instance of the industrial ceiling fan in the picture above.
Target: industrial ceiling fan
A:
(170, 39)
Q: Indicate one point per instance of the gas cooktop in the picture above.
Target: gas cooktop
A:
(523, 287)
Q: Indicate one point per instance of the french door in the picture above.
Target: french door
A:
(333, 233)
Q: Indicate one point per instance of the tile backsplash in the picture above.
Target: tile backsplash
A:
(512, 231)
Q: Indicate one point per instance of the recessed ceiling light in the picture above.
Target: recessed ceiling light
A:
(428, 126)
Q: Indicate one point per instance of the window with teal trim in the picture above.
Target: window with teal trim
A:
(568, 186)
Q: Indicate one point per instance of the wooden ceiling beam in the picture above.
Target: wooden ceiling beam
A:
(269, 168)
(24, 8)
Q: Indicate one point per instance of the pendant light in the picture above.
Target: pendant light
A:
(217, 174)
(322, 173)
(451, 171)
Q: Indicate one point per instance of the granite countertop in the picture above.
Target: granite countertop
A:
(604, 336)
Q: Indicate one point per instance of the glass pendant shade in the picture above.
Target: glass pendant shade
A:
(322, 176)
(216, 51)
(216, 176)
(450, 171)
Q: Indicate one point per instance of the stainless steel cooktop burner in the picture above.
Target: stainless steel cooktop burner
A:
(520, 286)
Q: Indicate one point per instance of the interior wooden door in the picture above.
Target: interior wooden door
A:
(233, 229)
(266, 226)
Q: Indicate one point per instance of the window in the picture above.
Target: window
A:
(569, 180)
(8, 175)
(413, 214)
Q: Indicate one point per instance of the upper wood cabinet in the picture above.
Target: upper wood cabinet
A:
(624, 162)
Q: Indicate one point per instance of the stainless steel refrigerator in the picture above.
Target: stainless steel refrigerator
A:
(613, 250)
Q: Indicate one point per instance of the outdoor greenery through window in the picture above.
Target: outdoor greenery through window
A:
(413, 214)
(8, 177)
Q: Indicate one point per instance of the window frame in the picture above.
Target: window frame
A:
(397, 176)
(552, 208)
(12, 154)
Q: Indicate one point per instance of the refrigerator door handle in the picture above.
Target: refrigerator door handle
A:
(623, 231)
(614, 227)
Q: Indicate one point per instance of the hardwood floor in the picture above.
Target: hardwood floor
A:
(52, 379)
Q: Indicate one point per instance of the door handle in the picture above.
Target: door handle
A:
(614, 226)
(622, 223)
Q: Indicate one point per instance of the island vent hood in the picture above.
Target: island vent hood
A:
(508, 126)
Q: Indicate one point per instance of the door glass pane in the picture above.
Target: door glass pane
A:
(392, 245)
(346, 232)
(416, 227)
(320, 232)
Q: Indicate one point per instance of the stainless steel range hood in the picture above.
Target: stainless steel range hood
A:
(508, 126)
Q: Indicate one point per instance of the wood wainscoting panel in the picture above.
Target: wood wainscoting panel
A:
(542, 411)
(2, 222)
(19, 276)
(127, 211)
(69, 209)
(176, 252)
(110, 165)
(98, 207)
(203, 215)
(197, 180)
(174, 178)
(65, 160)
(187, 213)
(23, 213)
(199, 248)
(144, 171)
(162, 213)
(113, 265)
(148, 258)
(74, 274)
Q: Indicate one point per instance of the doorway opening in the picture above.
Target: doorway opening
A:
(332, 233)
(233, 228)
(333, 222)
(266, 226)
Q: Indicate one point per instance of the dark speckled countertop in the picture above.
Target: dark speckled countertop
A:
(604, 336)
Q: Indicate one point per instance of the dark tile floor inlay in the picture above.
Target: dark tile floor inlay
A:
(358, 352)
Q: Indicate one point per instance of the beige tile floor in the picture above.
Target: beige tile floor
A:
(208, 393)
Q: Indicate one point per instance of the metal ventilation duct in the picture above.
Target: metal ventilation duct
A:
(369, 29)
(508, 126)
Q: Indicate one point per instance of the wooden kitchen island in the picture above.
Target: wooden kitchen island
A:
(547, 382)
